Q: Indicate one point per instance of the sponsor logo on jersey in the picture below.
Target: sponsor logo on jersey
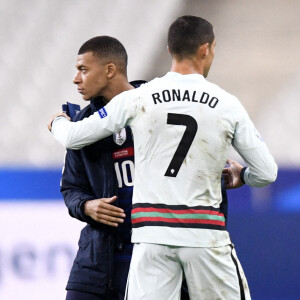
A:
(102, 113)
(120, 137)
(123, 153)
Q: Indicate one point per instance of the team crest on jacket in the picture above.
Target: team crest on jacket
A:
(120, 137)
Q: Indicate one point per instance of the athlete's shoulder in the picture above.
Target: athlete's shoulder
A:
(148, 85)
(227, 98)
(219, 90)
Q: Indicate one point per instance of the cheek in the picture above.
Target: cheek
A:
(101, 82)
(90, 82)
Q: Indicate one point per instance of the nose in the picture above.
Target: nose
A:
(77, 78)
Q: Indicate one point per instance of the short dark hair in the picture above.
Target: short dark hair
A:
(107, 47)
(187, 34)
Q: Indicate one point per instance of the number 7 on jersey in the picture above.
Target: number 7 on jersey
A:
(185, 143)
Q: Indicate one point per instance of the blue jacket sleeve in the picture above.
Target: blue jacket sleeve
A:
(75, 186)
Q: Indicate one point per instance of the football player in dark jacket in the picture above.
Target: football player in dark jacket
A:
(94, 176)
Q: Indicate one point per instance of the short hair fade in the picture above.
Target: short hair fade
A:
(187, 34)
(108, 48)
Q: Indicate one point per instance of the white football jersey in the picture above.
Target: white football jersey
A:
(183, 127)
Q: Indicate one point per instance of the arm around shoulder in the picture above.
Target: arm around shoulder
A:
(109, 119)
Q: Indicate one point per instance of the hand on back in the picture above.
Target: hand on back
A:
(232, 175)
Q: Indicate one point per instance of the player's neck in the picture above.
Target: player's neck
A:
(187, 66)
(117, 87)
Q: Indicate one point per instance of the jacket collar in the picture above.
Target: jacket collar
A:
(97, 103)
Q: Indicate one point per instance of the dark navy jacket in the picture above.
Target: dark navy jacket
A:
(89, 174)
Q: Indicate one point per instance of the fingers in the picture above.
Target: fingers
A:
(113, 224)
(110, 200)
(110, 211)
(61, 114)
(229, 161)
(109, 220)
(110, 217)
(231, 174)
(233, 163)
(227, 175)
(49, 125)
(225, 171)
(227, 182)
(103, 212)
(104, 204)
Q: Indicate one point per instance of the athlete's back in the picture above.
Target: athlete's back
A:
(183, 127)
(182, 136)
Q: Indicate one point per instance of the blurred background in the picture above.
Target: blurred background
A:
(257, 59)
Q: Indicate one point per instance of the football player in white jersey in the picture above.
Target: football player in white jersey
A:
(183, 127)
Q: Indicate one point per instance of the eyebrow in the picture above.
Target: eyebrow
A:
(80, 66)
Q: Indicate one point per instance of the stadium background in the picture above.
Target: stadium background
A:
(256, 59)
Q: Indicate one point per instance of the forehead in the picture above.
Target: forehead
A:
(88, 59)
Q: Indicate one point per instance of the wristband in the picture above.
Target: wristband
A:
(242, 174)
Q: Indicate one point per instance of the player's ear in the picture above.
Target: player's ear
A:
(203, 50)
(111, 70)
